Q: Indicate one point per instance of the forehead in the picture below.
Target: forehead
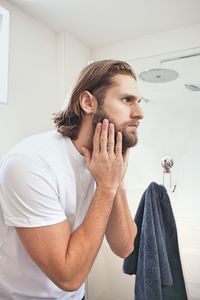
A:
(124, 84)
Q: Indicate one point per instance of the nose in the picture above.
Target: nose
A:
(136, 111)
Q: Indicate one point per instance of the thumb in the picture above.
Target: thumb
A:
(86, 153)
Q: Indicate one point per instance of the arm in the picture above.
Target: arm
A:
(65, 257)
(121, 230)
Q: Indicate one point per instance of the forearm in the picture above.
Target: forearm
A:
(86, 240)
(121, 229)
(65, 257)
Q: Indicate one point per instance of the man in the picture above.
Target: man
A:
(62, 191)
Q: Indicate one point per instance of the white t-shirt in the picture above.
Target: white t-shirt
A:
(43, 181)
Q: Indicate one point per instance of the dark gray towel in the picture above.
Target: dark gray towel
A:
(156, 260)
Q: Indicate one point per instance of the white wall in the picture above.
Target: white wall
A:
(72, 55)
(171, 127)
(42, 66)
(4, 53)
(154, 44)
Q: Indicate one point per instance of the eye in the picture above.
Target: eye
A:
(126, 100)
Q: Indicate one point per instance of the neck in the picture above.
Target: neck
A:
(85, 136)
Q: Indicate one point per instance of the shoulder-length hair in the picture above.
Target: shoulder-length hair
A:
(95, 78)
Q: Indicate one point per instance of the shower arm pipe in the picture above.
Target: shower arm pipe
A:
(177, 58)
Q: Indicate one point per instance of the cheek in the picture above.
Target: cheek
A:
(118, 111)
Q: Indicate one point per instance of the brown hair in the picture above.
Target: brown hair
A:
(95, 78)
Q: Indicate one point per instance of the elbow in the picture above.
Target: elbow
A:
(69, 286)
(129, 249)
(66, 282)
(123, 252)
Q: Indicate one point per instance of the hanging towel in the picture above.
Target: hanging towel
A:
(155, 260)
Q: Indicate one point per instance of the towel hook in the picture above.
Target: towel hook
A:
(167, 163)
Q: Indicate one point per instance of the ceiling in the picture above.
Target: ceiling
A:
(98, 23)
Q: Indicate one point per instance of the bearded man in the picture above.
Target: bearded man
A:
(62, 191)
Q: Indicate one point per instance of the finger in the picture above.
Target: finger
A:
(118, 147)
(111, 139)
(87, 155)
(96, 138)
(104, 136)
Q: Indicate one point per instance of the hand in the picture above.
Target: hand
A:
(106, 160)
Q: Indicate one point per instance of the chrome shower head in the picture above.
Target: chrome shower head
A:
(193, 87)
(165, 75)
(159, 75)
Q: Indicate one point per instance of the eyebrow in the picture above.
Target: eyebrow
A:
(129, 96)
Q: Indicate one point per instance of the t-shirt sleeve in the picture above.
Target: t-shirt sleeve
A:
(29, 192)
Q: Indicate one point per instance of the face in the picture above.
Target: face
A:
(121, 107)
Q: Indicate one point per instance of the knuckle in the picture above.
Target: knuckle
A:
(103, 138)
(96, 139)
(110, 145)
(104, 156)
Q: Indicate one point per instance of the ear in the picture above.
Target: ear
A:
(88, 102)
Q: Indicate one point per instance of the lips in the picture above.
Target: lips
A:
(133, 125)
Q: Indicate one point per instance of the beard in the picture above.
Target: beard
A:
(128, 140)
